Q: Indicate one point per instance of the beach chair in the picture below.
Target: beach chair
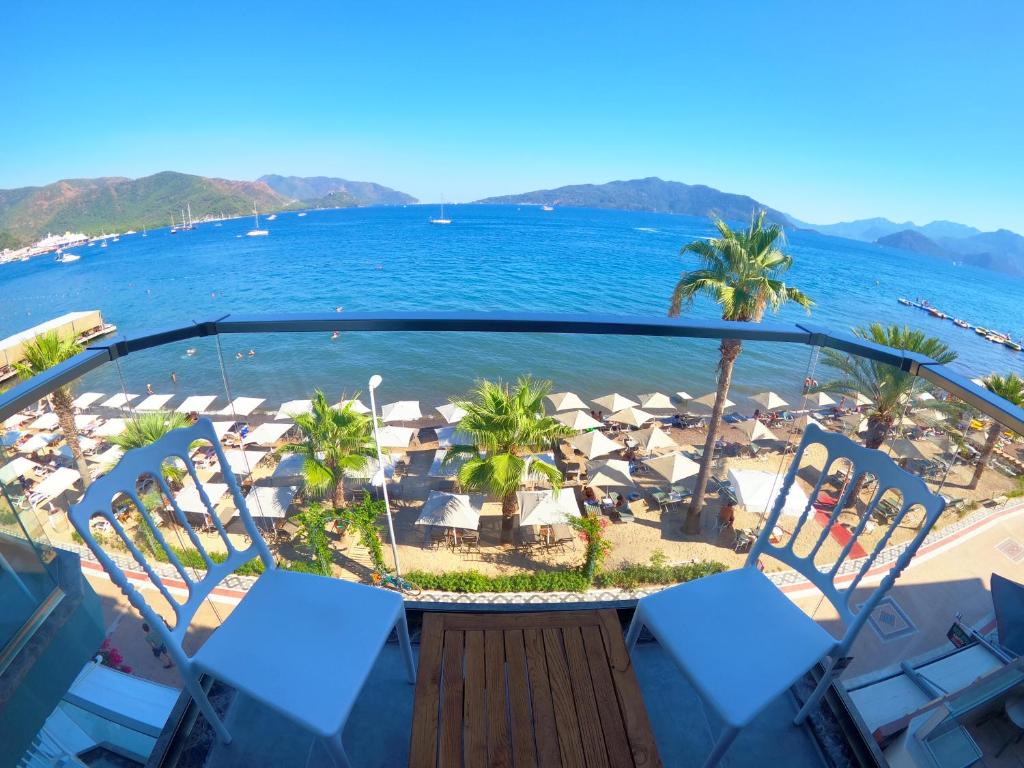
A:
(528, 537)
(739, 684)
(661, 499)
(322, 616)
(562, 535)
(470, 541)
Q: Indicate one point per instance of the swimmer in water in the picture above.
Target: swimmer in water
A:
(334, 336)
(252, 353)
(238, 355)
(174, 377)
(338, 308)
(149, 389)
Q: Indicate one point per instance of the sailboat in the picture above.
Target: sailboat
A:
(144, 231)
(442, 219)
(257, 232)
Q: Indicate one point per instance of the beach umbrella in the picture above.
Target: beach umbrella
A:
(15, 421)
(923, 397)
(634, 417)
(402, 410)
(594, 444)
(855, 422)
(197, 403)
(567, 401)
(109, 457)
(578, 420)
(268, 501)
(86, 399)
(612, 473)
(395, 437)
(930, 414)
(189, 501)
(707, 403)
(544, 508)
(453, 510)
(84, 421)
(356, 406)
(55, 483)
(757, 492)
(45, 422)
(241, 406)
(801, 421)
(451, 412)
(860, 400)
(769, 401)
(673, 466)
(292, 408)
(542, 458)
(653, 438)
(241, 463)
(288, 471)
(265, 434)
(905, 449)
(684, 396)
(820, 399)
(15, 468)
(221, 428)
(9, 438)
(110, 427)
(755, 430)
(449, 436)
(615, 402)
(153, 403)
(656, 401)
(120, 400)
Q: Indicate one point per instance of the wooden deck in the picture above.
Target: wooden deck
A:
(528, 689)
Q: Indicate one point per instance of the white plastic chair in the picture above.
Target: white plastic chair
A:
(300, 644)
(707, 625)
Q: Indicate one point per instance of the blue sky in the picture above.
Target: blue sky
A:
(828, 111)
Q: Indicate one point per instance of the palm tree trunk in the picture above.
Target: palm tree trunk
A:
(986, 454)
(730, 350)
(338, 498)
(874, 437)
(65, 410)
(509, 507)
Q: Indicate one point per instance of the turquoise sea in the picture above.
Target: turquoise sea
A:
(490, 258)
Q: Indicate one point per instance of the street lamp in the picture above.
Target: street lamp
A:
(375, 382)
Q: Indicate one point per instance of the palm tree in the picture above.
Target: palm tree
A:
(1011, 389)
(742, 271)
(335, 440)
(506, 425)
(146, 428)
(888, 387)
(42, 353)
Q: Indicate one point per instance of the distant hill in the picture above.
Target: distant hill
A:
(326, 191)
(113, 204)
(1002, 251)
(870, 230)
(650, 194)
(911, 240)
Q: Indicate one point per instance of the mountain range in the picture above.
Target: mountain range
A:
(116, 204)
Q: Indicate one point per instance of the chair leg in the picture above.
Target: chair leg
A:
(819, 691)
(635, 626)
(206, 707)
(402, 628)
(724, 742)
(337, 750)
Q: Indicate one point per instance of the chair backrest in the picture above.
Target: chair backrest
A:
(122, 481)
(863, 461)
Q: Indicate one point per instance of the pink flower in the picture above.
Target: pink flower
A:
(126, 669)
(116, 657)
(105, 644)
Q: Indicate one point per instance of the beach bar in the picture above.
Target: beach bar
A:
(82, 326)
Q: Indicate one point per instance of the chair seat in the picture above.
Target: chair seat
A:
(302, 645)
(738, 638)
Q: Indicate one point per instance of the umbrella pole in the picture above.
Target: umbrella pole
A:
(375, 381)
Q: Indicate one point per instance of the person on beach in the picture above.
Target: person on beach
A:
(157, 645)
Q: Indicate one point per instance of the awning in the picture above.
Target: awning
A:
(594, 444)
(674, 466)
(578, 420)
(293, 408)
(267, 434)
(451, 413)
(453, 510)
(197, 403)
(154, 403)
(242, 463)
(769, 401)
(567, 401)
(15, 468)
(616, 402)
(55, 483)
(45, 422)
(402, 410)
(86, 399)
(656, 401)
(653, 438)
(395, 437)
(757, 492)
(120, 400)
(269, 501)
(611, 473)
(110, 427)
(634, 417)
(544, 508)
(241, 406)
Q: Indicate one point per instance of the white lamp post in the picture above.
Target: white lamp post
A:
(375, 381)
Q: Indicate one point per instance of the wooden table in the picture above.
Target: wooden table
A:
(555, 688)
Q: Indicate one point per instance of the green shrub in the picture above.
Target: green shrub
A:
(363, 520)
(591, 530)
(191, 558)
(631, 575)
(302, 566)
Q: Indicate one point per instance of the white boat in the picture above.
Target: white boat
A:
(257, 232)
(302, 214)
(144, 231)
(129, 232)
(103, 244)
(442, 219)
(547, 208)
(67, 258)
(271, 217)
